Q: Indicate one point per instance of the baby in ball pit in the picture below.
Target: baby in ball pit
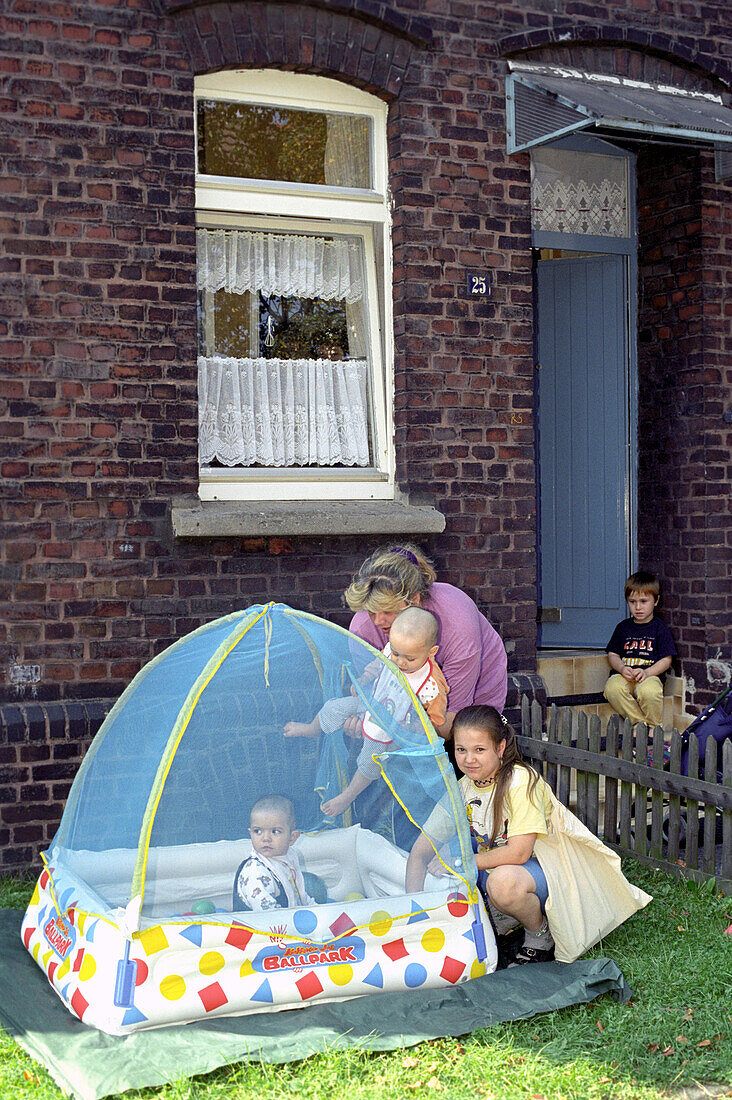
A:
(271, 877)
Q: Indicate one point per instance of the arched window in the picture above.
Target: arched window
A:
(294, 258)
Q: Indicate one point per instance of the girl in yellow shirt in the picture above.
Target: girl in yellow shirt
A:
(533, 856)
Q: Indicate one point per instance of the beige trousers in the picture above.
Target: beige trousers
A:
(641, 702)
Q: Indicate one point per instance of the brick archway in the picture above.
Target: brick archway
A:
(346, 45)
(634, 52)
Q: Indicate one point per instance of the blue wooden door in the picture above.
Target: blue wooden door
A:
(584, 499)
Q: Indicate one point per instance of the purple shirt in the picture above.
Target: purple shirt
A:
(470, 654)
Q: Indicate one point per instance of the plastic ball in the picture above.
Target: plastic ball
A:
(355, 896)
(200, 908)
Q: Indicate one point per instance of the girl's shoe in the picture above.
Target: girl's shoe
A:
(532, 955)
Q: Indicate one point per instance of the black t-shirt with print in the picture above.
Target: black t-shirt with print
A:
(640, 645)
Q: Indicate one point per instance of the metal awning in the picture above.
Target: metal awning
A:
(546, 103)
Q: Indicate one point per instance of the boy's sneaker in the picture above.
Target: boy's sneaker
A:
(532, 955)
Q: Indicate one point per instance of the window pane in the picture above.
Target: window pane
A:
(302, 328)
(226, 324)
(579, 193)
(251, 141)
(283, 350)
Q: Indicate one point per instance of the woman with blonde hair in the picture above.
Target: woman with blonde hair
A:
(470, 654)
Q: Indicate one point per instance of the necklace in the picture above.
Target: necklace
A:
(484, 782)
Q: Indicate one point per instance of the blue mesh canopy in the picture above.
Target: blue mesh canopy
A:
(198, 737)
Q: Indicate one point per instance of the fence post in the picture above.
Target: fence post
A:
(564, 779)
(710, 812)
(656, 847)
(536, 731)
(674, 801)
(553, 735)
(640, 838)
(692, 808)
(610, 825)
(626, 788)
(593, 780)
(525, 721)
(582, 743)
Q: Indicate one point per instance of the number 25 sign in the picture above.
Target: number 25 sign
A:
(479, 285)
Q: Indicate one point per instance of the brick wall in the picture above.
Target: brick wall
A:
(684, 388)
(716, 235)
(671, 390)
(97, 342)
(99, 424)
(41, 748)
(99, 419)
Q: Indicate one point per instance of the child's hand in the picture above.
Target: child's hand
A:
(352, 726)
(627, 673)
(437, 868)
(302, 729)
(640, 675)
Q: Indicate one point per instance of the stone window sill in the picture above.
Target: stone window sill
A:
(196, 519)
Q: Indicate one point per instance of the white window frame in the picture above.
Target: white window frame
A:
(223, 202)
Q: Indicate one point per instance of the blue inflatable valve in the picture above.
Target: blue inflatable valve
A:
(479, 935)
(124, 987)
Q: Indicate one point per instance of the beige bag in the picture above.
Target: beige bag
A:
(589, 895)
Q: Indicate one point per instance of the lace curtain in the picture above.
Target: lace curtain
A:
(283, 412)
(580, 193)
(277, 263)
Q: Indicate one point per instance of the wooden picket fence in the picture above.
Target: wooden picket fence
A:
(680, 823)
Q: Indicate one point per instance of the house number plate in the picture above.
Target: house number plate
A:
(479, 284)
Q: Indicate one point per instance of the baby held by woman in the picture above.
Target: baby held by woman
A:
(411, 647)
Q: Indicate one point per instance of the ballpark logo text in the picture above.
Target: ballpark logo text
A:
(301, 955)
(60, 935)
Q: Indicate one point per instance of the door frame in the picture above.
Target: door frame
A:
(624, 246)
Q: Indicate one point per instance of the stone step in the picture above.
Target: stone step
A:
(576, 678)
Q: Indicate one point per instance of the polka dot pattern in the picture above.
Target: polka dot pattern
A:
(433, 939)
(305, 921)
(211, 962)
(380, 923)
(477, 970)
(340, 975)
(173, 987)
(415, 975)
(221, 969)
(457, 905)
(88, 968)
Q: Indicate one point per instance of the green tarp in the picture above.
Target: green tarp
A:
(89, 1064)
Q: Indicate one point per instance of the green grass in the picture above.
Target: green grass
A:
(676, 1030)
